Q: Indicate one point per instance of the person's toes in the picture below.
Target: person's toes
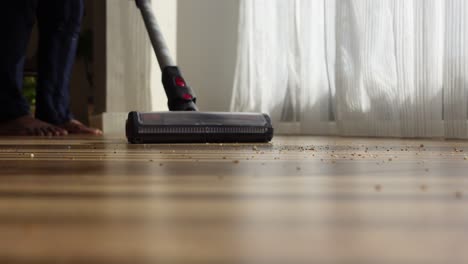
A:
(92, 131)
(53, 132)
(95, 131)
(48, 131)
(58, 131)
(76, 127)
(62, 132)
(43, 131)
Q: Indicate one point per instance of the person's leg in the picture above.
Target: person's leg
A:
(59, 28)
(16, 22)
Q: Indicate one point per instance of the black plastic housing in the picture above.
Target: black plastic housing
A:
(198, 127)
(176, 95)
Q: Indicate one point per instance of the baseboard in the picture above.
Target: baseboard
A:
(316, 129)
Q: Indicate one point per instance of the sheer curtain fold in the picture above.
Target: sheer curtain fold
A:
(356, 67)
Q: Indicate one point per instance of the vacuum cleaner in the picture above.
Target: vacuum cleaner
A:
(184, 123)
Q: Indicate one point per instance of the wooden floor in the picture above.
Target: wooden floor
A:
(299, 200)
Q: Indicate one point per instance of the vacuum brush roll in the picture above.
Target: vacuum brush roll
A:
(198, 127)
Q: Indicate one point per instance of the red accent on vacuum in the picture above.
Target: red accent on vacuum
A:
(180, 82)
(188, 97)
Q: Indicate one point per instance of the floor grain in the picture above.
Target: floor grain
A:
(297, 200)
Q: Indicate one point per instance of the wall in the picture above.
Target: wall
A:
(207, 49)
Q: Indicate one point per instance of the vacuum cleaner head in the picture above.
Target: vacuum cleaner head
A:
(198, 127)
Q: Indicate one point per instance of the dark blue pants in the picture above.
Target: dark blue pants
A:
(59, 24)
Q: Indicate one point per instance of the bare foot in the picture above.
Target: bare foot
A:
(29, 126)
(76, 127)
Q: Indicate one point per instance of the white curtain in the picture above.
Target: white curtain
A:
(394, 68)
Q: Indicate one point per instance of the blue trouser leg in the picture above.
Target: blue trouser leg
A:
(59, 27)
(16, 22)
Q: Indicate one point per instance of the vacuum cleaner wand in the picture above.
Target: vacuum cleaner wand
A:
(180, 96)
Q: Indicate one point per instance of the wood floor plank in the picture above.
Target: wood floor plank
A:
(297, 200)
